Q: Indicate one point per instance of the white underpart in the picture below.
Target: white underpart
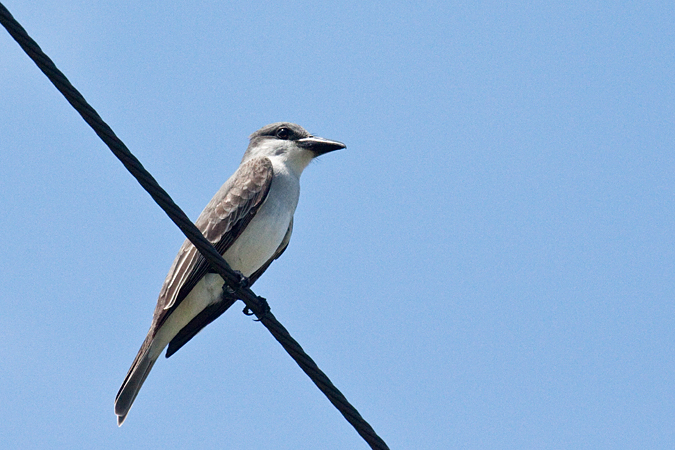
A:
(207, 291)
(254, 247)
(267, 229)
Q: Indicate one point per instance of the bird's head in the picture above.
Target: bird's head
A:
(289, 143)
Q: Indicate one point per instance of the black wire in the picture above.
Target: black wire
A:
(133, 165)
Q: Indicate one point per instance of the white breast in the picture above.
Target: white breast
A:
(263, 235)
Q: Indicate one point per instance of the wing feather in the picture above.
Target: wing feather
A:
(221, 222)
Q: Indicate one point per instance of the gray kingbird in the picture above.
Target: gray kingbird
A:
(249, 221)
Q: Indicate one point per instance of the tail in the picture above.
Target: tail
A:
(139, 371)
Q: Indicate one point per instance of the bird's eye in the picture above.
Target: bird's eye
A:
(283, 133)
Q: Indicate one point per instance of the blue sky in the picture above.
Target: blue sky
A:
(489, 264)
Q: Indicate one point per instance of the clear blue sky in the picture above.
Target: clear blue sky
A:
(488, 265)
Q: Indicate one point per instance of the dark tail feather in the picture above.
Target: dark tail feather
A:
(137, 374)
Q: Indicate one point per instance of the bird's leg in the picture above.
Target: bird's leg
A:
(265, 308)
(243, 283)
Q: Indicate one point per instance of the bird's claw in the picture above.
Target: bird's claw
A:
(265, 309)
(243, 283)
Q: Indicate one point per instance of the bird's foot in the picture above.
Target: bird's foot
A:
(265, 309)
(243, 283)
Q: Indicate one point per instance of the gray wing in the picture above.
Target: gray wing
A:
(222, 221)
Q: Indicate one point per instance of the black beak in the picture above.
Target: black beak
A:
(320, 146)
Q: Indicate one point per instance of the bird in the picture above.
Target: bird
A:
(249, 221)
